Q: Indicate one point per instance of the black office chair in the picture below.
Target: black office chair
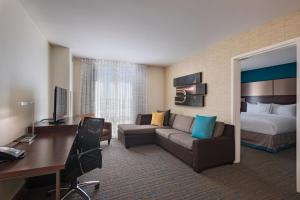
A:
(85, 155)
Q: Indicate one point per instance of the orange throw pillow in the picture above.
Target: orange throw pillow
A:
(157, 118)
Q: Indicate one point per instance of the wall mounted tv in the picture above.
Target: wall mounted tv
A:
(60, 105)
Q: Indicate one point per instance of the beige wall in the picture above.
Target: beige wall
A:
(59, 73)
(214, 63)
(23, 75)
(155, 87)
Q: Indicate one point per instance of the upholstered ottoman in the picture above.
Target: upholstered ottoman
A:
(132, 134)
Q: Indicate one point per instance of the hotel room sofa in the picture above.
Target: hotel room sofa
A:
(176, 138)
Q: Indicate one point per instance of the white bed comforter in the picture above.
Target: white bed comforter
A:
(267, 123)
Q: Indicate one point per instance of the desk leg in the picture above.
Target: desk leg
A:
(57, 193)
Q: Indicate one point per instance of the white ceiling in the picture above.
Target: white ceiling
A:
(273, 58)
(158, 32)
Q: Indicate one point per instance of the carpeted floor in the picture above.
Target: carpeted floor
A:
(149, 172)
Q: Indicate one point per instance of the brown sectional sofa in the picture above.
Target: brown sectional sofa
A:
(176, 139)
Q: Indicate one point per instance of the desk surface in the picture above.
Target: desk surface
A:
(47, 154)
(67, 122)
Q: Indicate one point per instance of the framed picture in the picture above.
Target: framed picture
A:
(190, 90)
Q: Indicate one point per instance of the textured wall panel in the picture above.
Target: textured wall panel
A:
(285, 86)
(261, 88)
(270, 73)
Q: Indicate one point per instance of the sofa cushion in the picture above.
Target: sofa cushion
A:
(183, 123)
(219, 129)
(171, 119)
(203, 126)
(143, 119)
(191, 129)
(183, 139)
(167, 114)
(136, 129)
(157, 119)
(166, 132)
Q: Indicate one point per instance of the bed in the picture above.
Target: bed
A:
(268, 114)
(267, 131)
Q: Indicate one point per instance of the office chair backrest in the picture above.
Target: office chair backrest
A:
(90, 133)
(87, 143)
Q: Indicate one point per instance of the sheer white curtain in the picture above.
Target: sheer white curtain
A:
(113, 90)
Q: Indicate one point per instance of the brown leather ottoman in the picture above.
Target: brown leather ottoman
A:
(132, 135)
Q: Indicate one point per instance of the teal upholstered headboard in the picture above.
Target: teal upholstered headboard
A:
(270, 73)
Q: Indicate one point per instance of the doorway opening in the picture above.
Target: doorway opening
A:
(238, 101)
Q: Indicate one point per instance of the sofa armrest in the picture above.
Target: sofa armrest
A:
(213, 152)
(143, 119)
(107, 125)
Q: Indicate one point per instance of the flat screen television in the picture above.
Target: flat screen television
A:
(60, 105)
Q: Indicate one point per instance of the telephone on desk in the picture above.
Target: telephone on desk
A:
(8, 153)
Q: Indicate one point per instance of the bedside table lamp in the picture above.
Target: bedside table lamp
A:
(28, 137)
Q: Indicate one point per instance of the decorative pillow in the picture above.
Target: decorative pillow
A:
(284, 110)
(203, 126)
(219, 129)
(274, 108)
(172, 118)
(166, 117)
(252, 108)
(157, 119)
(264, 108)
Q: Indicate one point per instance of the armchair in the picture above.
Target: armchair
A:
(107, 131)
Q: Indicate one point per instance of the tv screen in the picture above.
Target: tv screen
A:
(60, 104)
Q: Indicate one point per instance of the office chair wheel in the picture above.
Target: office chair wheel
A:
(97, 186)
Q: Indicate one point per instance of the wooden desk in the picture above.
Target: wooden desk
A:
(70, 125)
(46, 155)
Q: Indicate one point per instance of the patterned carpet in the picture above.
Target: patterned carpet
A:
(149, 172)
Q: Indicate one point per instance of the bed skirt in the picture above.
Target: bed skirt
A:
(269, 143)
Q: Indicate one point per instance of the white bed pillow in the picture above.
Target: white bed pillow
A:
(264, 108)
(275, 108)
(284, 110)
(252, 108)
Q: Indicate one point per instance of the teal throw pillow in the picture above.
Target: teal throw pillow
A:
(203, 126)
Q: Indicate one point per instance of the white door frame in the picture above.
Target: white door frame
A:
(236, 98)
